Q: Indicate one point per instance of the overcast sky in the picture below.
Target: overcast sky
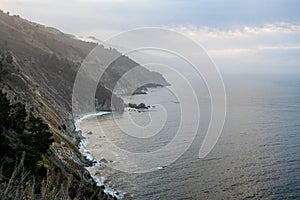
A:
(260, 35)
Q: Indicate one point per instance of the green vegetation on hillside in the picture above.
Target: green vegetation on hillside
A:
(20, 133)
(26, 169)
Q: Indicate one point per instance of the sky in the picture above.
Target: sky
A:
(260, 36)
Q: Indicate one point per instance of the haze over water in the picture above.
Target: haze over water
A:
(257, 155)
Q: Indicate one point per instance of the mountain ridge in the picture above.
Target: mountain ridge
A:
(38, 66)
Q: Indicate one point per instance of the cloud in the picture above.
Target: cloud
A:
(122, 15)
(271, 48)
(256, 34)
(270, 36)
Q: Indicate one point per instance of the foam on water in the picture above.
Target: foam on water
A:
(86, 116)
(96, 163)
(256, 157)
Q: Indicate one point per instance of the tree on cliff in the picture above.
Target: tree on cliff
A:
(20, 133)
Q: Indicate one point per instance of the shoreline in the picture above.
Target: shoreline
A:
(83, 142)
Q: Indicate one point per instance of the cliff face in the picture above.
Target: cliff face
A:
(38, 66)
(44, 66)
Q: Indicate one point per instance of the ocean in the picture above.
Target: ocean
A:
(257, 155)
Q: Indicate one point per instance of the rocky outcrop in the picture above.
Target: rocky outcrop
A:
(144, 88)
(139, 106)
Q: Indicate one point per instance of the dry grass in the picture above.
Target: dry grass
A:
(20, 186)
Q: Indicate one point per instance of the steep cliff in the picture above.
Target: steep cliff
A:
(38, 66)
(44, 66)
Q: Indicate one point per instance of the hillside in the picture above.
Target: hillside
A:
(38, 66)
(44, 66)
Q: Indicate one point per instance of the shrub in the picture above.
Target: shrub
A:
(9, 59)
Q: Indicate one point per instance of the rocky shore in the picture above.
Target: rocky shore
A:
(90, 162)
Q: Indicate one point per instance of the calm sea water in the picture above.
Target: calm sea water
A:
(257, 155)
